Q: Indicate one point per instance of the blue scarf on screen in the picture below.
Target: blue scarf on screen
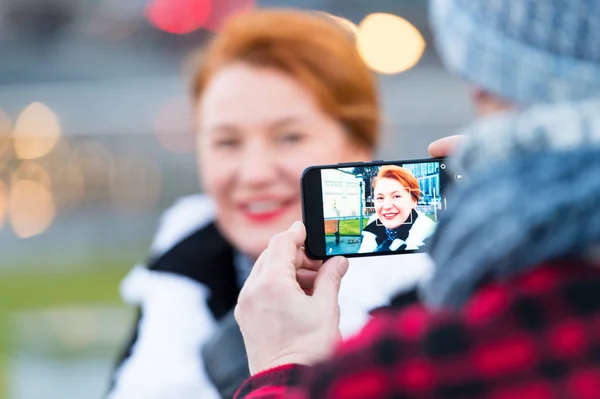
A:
(532, 195)
(385, 237)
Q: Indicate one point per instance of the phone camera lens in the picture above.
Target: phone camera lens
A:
(443, 166)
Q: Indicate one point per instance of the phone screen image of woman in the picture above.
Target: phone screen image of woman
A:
(381, 208)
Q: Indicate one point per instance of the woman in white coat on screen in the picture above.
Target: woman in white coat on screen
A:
(396, 225)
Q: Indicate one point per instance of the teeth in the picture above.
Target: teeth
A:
(262, 207)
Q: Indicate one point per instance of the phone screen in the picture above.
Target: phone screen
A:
(369, 209)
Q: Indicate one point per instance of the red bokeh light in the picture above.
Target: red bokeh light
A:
(178, 16)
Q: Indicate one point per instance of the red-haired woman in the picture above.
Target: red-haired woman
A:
(396, 225)
(273, 93)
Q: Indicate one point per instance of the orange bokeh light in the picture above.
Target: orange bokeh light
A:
(31, 208)
(36, 131)
(389, 44)
(3, 203)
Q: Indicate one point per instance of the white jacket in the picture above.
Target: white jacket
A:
(165, 360)
(422, 228)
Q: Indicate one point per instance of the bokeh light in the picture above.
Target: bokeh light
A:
(178, 16)
(173, 126)
(3, 203)
(36, 131)
(5, 141)
(5, 123)
(389, 44)
(30, 170)
(31, 208)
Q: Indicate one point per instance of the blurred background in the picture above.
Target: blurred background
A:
(96, 140)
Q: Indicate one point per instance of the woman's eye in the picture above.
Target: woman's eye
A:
(226, 143)
(291, 138)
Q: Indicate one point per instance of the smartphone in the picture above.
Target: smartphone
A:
(376, 208)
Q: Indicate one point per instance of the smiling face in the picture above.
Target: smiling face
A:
(258, 129)
(393, 203)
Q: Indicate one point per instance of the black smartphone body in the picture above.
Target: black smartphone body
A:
(376, 208)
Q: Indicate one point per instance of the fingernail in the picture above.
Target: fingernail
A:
(297, 225)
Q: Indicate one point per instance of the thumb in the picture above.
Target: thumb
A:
(329, 278)
(445, 146)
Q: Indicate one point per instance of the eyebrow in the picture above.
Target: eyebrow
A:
(284, 121)
(393, 192)
(223, 128)
(226, 127)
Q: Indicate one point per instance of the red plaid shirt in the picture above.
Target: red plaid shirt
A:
(535, 337)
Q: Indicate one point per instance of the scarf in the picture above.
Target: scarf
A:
(385, 236)
(532, 195)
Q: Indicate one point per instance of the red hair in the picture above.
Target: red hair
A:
(312, 48)
(403, 176)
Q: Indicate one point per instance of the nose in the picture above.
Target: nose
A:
(387, 204)
(257, 166)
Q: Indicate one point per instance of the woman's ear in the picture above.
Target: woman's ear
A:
(487, 103)
(360, 153)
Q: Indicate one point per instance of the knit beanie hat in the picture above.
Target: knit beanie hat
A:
(524, 51)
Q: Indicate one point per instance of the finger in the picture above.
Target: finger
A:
(299, 233)
(306, 278)
(445, 146)
(256, 269)
(329, 278)
(302, 259)
(305, 262)
(281, 254)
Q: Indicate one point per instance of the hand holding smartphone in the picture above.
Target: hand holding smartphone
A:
(369, 209)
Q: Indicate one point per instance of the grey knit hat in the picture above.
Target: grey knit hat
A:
(525, 51)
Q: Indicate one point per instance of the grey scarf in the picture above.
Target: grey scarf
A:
(533, 195)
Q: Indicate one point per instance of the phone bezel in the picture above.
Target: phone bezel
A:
(312, 205)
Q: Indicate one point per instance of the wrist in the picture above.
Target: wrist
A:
(280, 361)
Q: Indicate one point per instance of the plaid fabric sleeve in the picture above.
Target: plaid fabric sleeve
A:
(535, 337)
(275, 383)
(358, 368)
